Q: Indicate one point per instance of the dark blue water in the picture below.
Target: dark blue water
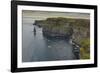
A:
(36, 47)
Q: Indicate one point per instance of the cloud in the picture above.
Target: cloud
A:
(38, 15)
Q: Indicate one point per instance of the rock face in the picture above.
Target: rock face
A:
(65, 32)
(81, 30)
(55, 27)
(76, 29)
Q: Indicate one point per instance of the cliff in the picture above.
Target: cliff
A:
(55, 27)
(76, 29)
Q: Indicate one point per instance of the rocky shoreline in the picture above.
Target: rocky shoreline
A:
(78, 30)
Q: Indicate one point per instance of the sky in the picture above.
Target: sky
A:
(47, 14)
(29, 16)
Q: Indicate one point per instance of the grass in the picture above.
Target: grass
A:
(85, 50)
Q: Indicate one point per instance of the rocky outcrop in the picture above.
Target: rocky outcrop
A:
(81, 30)
(76, 29)
(55, 27)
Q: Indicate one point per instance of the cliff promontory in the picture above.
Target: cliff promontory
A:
(70, 28)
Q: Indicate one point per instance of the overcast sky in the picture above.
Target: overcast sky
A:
(36, 15)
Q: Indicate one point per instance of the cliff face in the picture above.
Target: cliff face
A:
(56, 27)
(81, 30)
(81, 35)
(76, 29)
